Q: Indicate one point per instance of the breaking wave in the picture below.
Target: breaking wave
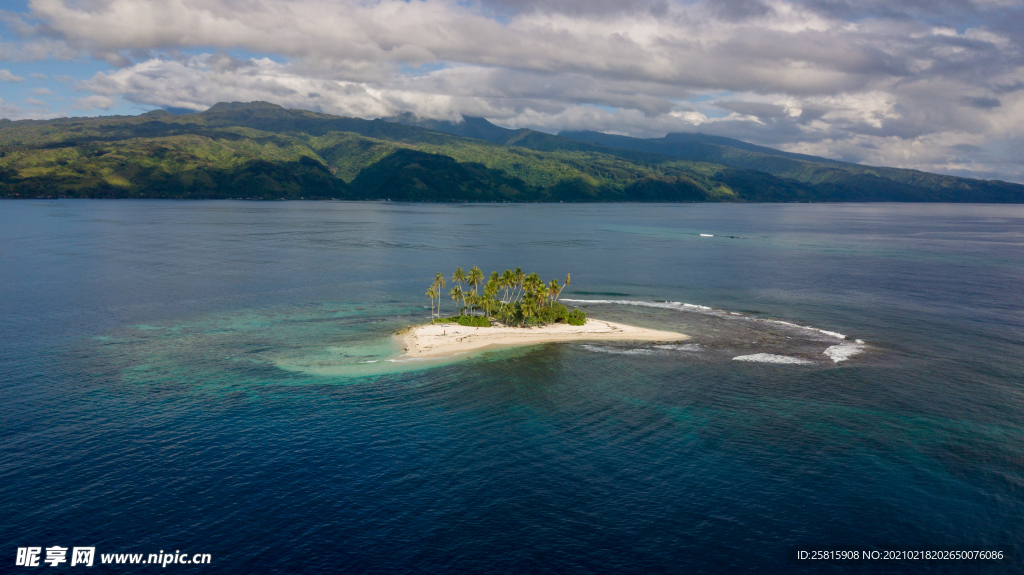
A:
(617, 350)
(845, 351)
(680, 347)
(657, 304)
(690, 307)
(773, 358)
(660, 349)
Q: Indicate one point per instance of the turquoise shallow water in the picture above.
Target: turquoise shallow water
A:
(214, 377)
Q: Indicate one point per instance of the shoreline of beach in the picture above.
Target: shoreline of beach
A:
(441, 340)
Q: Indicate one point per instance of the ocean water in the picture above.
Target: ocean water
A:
(216, 377)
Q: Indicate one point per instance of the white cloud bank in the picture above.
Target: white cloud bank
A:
(861, 81)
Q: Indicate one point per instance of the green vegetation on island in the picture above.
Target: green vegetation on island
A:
(512, 297)
(263, 151)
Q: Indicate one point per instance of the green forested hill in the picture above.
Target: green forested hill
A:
(821, 179)
(260, 150)
(832, 180)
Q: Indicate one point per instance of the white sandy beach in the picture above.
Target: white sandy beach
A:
(439, 340)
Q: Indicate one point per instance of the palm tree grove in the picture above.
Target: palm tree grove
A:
(512, 298)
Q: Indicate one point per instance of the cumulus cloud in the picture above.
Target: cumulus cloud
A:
(198, 82)
(7, 76)
(866, 80)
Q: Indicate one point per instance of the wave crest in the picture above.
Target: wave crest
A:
(773, 358)
(691, 307)
(617, 350)
(845, 351)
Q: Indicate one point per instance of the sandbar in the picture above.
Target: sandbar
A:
(440, 340)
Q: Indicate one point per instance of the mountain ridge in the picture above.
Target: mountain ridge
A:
(264, 151)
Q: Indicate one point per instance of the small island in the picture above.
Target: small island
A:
(514, 309)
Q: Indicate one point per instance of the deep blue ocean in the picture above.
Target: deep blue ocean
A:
(213, 377)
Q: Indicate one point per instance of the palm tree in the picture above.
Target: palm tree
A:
(475, 278)
(540, 291)
(459, 277)
(504, 312)
(519, 277)
(563, 287)
(533, 285)
(553, 290)
(437, 286)
(526, 286)
(528, 308)
(456, 293)
(491, 290)
(432, 293)
(507, 280)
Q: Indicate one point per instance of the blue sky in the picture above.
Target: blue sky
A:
(937, 86)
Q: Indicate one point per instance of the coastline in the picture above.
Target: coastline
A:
(441, 340)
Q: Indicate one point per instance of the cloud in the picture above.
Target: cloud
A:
(767, 50)
(578, 7)
(757, 109)
(12, 112)
(7, 76)
(94, 103)
(981, 102)
(36, 50)
(201, 81)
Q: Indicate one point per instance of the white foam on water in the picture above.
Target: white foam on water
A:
(658, 304)
(707, 235)
(617, 350)
(834, 334)
(371, 361)
(680, 347)
(680, 306)
(773, 358)
(845, 351)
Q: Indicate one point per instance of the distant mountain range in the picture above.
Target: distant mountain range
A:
(263, 151)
